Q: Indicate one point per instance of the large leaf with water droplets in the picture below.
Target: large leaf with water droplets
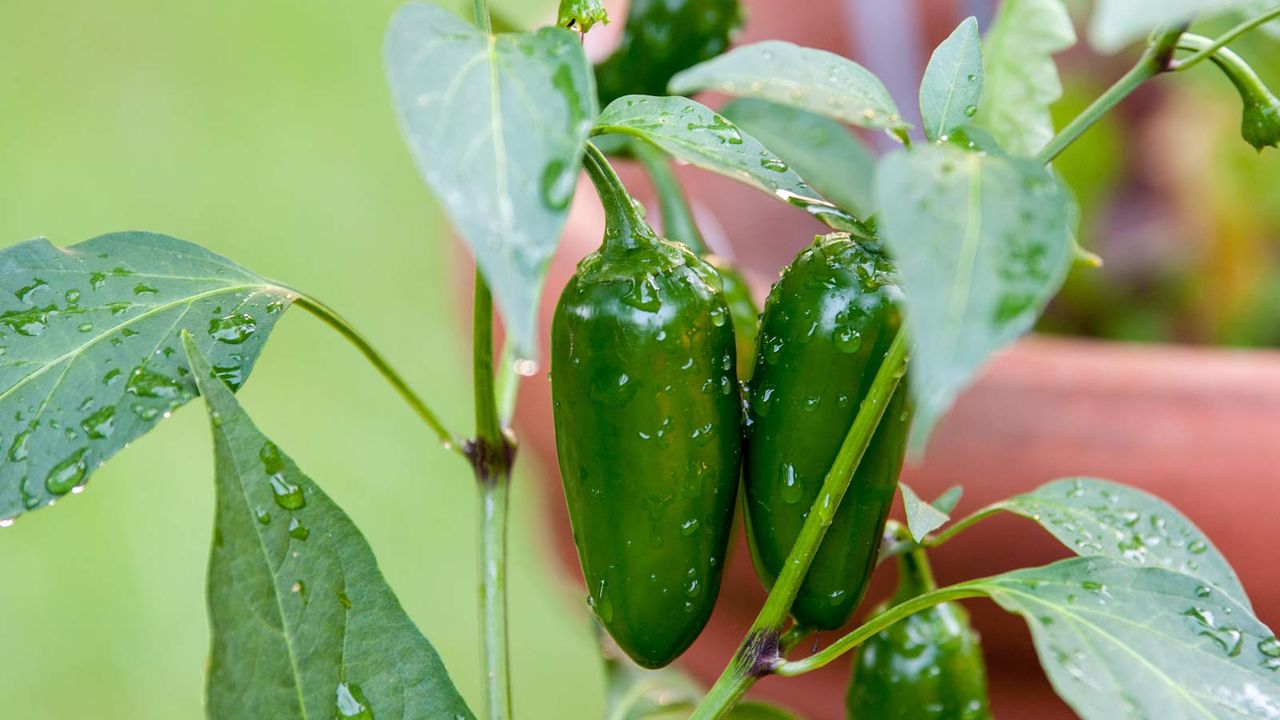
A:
(982, 242)
(819, 149)
(89, 352)
(1116, 23)
(1021, 77)
(1119, 641)
(952, 84)
(303, 624)
(1097, 517)
(497, 126)
(700, 136)
(805, 78)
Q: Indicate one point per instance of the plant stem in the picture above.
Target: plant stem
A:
(1203, 53)
(330, 317)
(624, 225)
(491, 456)
(963, 524)
(758, 653)
(677, 218)
(873, 626)
(480, 8)
(1155, 60)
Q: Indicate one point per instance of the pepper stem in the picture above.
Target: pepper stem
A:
(624, 224)
(915, 577)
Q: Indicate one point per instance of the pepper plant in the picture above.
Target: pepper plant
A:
(671, 391)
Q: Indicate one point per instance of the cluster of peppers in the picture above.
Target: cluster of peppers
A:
(671, 392)
(657, 427)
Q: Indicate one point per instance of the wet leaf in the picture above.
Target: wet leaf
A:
(805, 78)
(700, 136)
(89, 351)
(952, 84)
(1097, 517)
(982, 241)
(303, 624)
(497, 126)
(1119, 641)
(819, 149)
(1021, 76)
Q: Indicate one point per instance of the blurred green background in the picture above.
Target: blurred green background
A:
(262, 130)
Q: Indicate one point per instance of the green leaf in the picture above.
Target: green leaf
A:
(952, 84)
(89, 355)
(947, 501)
(633, 693)
(805, 78)
(1021, 77)
(1116, 23)
(982, 242)
(1097, 517)
(1120, 641)
(497, 126)
(922, 517)
(581, 15)
(303, 625)
(820, 150)
(698, 135)
(663, 37)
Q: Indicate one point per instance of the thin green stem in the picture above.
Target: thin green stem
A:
(508, 384)
(331, 318)
(677, 218)
(963, 524)
(1155, 60)
(491, 456)
(480, 8)
(880, 622)
(624, 224)
(1206, 51)
(758, 653)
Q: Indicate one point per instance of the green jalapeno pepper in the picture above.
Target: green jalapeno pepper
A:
(647, 419)
(661, 38)
(827, 325)
(927, 666)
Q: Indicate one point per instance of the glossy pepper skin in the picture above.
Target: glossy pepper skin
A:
(678, 224)
(927, 666)
(647, 420)
(661, 38)
(826, 327)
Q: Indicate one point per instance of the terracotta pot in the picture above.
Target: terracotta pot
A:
(1198, 427)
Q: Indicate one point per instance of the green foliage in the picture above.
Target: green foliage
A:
(1100, 518)
(497, 126)
(663, 37)
(982, 242)
(804, 78)
(581, 15)
(820, 150)
(1021, 77)
(922, 517)
(952, 84)
(1117, 23)
(1142, 642)
(702, 137)
(89, 356)
(303, 624)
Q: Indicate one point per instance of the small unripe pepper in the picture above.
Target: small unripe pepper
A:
(647, 419)
(927, 666)
(826, 327)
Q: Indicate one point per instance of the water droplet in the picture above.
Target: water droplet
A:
(525, 368)
(689, 527)
(790, 485)
(1197, 547)
(812, 403)
(18, 449)
(141, 289)
(719, 316)
(67, 474)
(85, 327)
(263, 516)
(297, 530)
(8, 522)
(643, 294)
(72, 296)
(151, 384)
(847, 339)
(287, 495)
(233, 329)
(343, 600)
(101, 423)
(31, 322)
(970, 110)
(773, 163)
(352, 704)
